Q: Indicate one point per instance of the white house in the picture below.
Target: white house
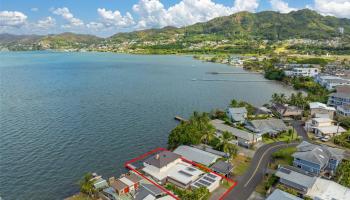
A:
(331, 82)
(323, 126)
(318, 108)
(159, 165)
(304, 72)
(343, 110)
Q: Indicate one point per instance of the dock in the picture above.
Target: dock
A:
(178, 118)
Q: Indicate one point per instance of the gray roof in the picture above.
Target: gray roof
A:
(240, 110)
(142, 193)
(162, 159)
(296, 176)
(267, 125)
(196, 155)
(319, 154)
(219, 125)
(280, 195)
(222, 167)
(237, 114)
(152, 189)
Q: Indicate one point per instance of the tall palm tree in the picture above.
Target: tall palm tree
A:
(225, 145)
(86, 184)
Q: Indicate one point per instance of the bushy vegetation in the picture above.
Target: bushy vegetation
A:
(343, 173)
(343, 139)
(86, 184)
(201, 193)
(194, 131)
(237, 104)
(285, 155)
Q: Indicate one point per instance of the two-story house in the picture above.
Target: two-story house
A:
(317, 159)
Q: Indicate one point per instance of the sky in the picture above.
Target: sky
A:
(107, 17)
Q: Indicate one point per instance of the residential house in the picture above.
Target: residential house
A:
(318, 108)
(196, 155)
(148, 191)
(302, 72)
(183, 175)
(244, 138)
(262, 126)
(323, 126)
(324, 189)
(285, 110)
(280, 195)
(317, 159)
(222, 167)
(159, 165)
(341, 100)
(210, 181)
(126, 183)
(262, 111)
(110, 194)
(331, 82)
(343, 110)
(295, 179)
(98, 182)
(237, 114)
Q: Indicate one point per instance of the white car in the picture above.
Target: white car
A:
(325, 138)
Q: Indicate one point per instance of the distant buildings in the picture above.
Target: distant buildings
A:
(237, 114)
(244, 138)
(317, 159)
(302, 72)
(125, 184)
(341, 100)
(331, 82)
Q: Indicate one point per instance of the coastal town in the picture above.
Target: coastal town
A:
(290, 148)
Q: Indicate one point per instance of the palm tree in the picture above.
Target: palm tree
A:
(207, 137)
(86, 184)
(225, 144)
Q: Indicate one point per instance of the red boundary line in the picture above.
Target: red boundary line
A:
(127, 165)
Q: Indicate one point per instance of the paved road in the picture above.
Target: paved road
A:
(299, 127)
(255, 174)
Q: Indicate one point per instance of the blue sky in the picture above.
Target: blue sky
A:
(106, 17)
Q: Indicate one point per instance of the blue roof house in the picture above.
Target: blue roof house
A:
(237, 114)
(317, 159)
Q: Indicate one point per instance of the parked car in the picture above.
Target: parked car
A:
(325, 138)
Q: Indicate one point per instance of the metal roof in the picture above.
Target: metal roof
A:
(196, 155)
(222, 167)
(280, 195)
(295, 177)
(219, 125)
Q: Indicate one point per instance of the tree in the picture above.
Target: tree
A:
(86, 184)
(225, 144)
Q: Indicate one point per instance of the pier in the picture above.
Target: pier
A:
(178, 118)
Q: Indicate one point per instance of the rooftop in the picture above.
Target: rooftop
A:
(315, 105)
(219, 125)
(184, 173)
(162, 159)
(267, 125)
(196, 155)
(222, 167)
(328, 190)
(295, 176)
(280, 195)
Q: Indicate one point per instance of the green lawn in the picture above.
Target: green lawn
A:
(283, 157)
(282, 137)
(240, 165)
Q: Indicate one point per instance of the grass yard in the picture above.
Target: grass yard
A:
(282, 137)
(282, 157)
(240, 165)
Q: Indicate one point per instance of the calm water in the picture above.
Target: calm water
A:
(64, 114)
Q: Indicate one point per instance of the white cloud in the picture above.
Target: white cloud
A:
(68, 16)
(46, 23)
(95, 25)
(110, 18)
(338, 8)
(281, 6)
(12, 18)
(152, 13)
(34, 9)
(245, 5)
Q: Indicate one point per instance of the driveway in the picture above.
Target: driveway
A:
(255, 174)
(299, 128)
